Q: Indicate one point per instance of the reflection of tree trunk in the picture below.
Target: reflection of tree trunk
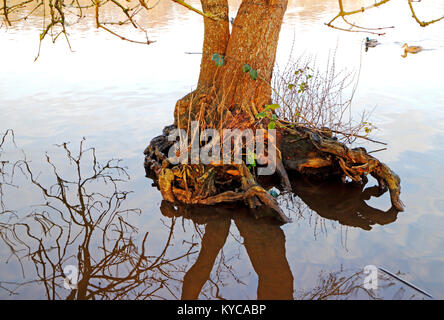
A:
(264, 241)
(216, 233)
(265, 244)
(85, 274)
(253, 41)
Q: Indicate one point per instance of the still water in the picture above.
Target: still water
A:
(119, 95)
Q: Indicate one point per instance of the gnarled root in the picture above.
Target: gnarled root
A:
(320, 153)
(307, 151)
(205, 185)
(200, 184)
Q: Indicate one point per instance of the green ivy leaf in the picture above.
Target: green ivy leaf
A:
(251, 159)
(290, 86)
(272, 125)
(246, 68)
(218, 59)
(253, 74)
(261, 115)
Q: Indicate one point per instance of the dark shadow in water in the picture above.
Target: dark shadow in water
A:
(344, 203)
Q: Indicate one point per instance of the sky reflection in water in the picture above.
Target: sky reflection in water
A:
(119, 95)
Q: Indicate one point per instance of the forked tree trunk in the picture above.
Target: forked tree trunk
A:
(226, 96)
(253, 41)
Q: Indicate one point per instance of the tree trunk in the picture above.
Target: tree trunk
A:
(253, 41)
(216, 35)
(228, 97)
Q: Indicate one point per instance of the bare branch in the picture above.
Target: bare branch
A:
(353, 27)
(422, 23)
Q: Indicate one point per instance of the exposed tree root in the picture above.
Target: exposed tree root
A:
(307, 151)
(312, 151)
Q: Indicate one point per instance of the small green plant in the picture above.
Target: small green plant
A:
(253, 73)
(264, 114)
(302, 81)
(368, 127)
(251, 160)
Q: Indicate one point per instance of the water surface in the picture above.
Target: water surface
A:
(119, 95)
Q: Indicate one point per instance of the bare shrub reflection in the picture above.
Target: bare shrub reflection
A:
(84, 223)
(343, 284)
(5, 166)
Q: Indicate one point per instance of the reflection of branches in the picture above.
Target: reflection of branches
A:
(84, 223)
(347, 284)
(343, 285)
(334, 285)
(343, 14)
(3, 165)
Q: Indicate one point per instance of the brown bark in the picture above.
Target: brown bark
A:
(227, 97)
(216, 35)
(253, 41)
